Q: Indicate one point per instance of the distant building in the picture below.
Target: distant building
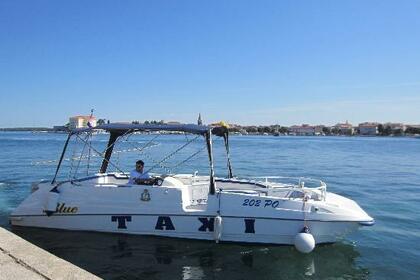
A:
(304, 129)
(199, 121)
(395, 127)
(81, 121)
(368, 128)
(412, 129)
(417, 126)
(344, 128)
(319, 129)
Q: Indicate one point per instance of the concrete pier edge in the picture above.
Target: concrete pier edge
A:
(20, 259)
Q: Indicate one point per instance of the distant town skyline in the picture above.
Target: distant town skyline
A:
(244, 62)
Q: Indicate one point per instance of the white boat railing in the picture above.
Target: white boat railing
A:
(308, 187)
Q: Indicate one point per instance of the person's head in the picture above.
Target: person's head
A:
(139, 166)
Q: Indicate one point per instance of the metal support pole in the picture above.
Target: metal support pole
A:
(226, 138)
(61, 158)
(212, 188)
(108, 152)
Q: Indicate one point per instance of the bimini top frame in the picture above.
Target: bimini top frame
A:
(117, 129)
(122, 128)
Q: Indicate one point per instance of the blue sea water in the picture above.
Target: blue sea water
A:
(381, 174)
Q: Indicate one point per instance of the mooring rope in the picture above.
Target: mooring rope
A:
(99, 153)
(81, 154)
(173, 153)
(187, 159)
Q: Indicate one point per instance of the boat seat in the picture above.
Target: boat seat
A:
(170, 181)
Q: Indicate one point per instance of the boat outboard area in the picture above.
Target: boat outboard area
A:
(182, 196)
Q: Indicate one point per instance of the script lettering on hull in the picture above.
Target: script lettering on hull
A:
(62, 208)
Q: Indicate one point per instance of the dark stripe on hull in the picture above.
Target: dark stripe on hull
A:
(181, 215)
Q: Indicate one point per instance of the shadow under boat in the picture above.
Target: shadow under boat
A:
(118, 256)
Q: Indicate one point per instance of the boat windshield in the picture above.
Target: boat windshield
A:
(116, 148)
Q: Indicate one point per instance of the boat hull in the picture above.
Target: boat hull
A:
(234, 229)
(186, 211)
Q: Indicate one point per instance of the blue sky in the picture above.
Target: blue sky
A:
(247, 62)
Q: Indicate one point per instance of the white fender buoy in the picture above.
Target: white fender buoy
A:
(218, 227)
(304, 241)
(51, 203)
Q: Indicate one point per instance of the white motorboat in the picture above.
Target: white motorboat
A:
(272, 210)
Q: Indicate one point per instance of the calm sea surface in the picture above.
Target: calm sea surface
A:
(381, 174)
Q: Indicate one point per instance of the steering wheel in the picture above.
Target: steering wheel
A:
(158, 181)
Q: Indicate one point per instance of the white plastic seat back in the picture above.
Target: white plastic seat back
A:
(172, 182)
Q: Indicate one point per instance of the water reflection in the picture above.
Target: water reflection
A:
(114, 256)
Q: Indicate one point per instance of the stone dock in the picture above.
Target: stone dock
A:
(20, 259)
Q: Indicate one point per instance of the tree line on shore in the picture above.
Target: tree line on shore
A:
(383, 130)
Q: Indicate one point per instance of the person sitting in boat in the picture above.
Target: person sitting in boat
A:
(138, 176)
